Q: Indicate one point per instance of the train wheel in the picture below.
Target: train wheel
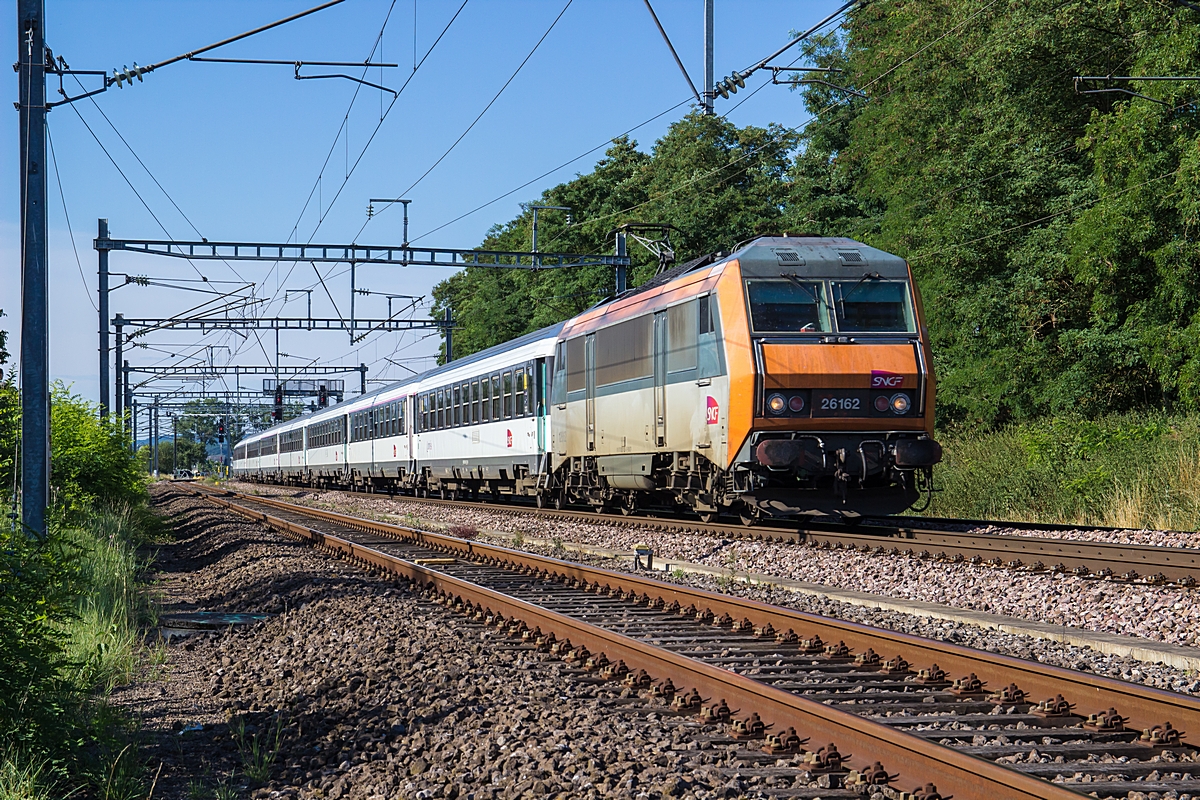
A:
(708, 517)
(540, 500)
(629, 505)
(560, 500)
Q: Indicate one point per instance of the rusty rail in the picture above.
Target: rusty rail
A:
(917, 759)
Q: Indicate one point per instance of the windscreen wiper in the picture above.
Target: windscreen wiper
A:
(791, 276)
(841, 300)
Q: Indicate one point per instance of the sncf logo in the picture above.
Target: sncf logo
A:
(886, 380)
(713, 416)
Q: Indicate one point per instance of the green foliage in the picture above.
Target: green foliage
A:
(37, 591)
(1131, 470)
(90, 462)
(734, 188)
(23, 778)
(1052, 233)
(69, 614)
(191, 454)
(258, 748)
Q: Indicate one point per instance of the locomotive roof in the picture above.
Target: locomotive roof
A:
(817, 256)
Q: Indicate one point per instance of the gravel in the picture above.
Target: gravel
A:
(1162, 613)
(355, 688)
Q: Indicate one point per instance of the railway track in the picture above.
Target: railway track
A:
(1147, 564)
(806, 691)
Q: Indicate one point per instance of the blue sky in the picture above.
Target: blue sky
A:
(239, 148)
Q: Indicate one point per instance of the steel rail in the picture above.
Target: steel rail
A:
(1144, 706)
(917, 759)
(1151, 563)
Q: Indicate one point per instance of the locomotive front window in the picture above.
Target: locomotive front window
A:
(788, 306)
(871, 304)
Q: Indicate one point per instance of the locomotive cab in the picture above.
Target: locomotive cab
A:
(835, 391)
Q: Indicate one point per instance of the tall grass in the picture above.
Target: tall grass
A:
(104, 638)
(1133, 470)
(72, 741)
(23, 778)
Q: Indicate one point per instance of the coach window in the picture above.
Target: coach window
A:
(682, 333)
(709, 345)
(519, 405)
(440, 417)
(496, 396)
(575, 377)
(508, 387)
(457, 394)
(475, 401)
(466, 404)
(485, 396)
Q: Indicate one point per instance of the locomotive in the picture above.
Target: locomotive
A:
(791, 377)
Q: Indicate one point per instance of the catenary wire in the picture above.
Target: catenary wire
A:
(475, 121)
(786, 131)
(373, 134)
(127, 181)
(87, 292)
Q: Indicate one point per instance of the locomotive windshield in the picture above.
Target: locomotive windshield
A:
(788, 306)
(871, 304)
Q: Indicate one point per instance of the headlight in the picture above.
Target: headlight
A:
(900, 403)
(776, 403)
(882, 404)
(796, 404)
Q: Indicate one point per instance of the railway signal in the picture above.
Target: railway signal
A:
(277, 413)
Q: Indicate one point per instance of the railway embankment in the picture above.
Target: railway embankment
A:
(350, 686)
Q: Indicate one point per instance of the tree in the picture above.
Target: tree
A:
(717, 183)
(1050, 231)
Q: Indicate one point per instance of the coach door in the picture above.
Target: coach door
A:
(660, 378)
(538, 383)
(589, 370)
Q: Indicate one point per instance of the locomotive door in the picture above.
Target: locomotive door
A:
(589, 372)
(660, 378)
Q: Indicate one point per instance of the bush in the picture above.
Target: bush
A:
(90, 461)
(1130, 470)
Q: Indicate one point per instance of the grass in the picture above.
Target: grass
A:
(90, 748)
(23, 778)
(1132, 470)
(104, 638)
(258, 748)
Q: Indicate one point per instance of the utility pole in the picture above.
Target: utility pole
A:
(35, 308)
(622, 271)
(154, 439)
(174, 445)
(102, 291)
(709, 94)
(449, 323)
